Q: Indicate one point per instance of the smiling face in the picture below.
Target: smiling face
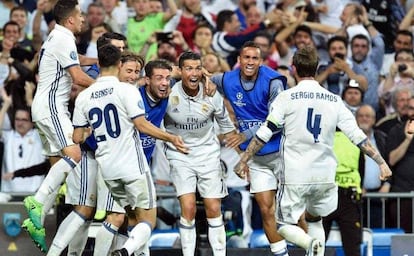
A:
(250, 61)
(191, 74)
(129, 72)
(159, 83)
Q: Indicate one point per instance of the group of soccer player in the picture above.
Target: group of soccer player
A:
(112, 136)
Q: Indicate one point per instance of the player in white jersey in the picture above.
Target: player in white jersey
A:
(59, 67)
(82, 182)
(307, 115)
(116, 113)
(190, 114)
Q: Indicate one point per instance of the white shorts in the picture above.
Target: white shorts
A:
(264, 171)
(81, 182)
(105, 200)
(136, 193)
(208, 179)
(316, 199)
(56, 134)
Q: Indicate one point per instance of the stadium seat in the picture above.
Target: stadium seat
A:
(258, 239)
(382, 240)
(164, 238)
(335, 241)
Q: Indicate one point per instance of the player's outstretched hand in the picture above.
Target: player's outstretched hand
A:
(179, 144)
(385, 171)
(242, 170)
(234, 140)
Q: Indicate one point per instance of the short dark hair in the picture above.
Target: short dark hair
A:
(405, 33)
(108, 55)
(303, 28)
(223, 17)
(17, 8)
(127, 56)
(249, 44)
(264, 34)
(202, 25)
(333, 39)
(409, 51)
(188, 55)
(63, 9)
(107, 37)
(156, 64)
(306, 61)
(360, 36)
(10, 23)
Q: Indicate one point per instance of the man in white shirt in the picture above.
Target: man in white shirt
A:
(59, 67)
(191, 114)
(307, 115)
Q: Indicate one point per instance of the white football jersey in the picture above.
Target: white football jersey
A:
(109, 106)
(57, 54)
(193, 119)
(309, 115)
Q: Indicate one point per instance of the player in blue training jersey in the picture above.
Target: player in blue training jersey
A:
(250, 90)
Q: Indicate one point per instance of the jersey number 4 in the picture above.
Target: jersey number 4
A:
(108, 117)
(315, 128)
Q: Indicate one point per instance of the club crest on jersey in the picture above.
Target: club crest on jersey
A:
(204, 108)
(174, 100)
(73, 55)
(239, 102)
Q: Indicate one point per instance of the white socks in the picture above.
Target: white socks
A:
(138, 237)
(315, 230)
(56, 176)
(67, 230)
(279, 248)
(296, 235)
(104, 237)
(77, 245)
(188, 236)
(217, 235)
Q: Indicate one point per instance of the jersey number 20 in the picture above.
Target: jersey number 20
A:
(109, 117)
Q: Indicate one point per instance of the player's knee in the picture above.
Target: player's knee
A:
(116, 219)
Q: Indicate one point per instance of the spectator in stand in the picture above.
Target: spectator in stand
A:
(116, 15)
(270, 57)
(385, 16)
(328, 11)
(368, 63)
(144, 24)
(42, 22)
(403, 40)
(228, 38)
(399, 101)
(95, 16)
(400, 148)
(20, 15)
(188, 18)
(241, 12)
(155, 6)
(352, 96)
(338, 71)
(214, 63)
(95, 33)
(22, 149)
(400, 75)
(253, 15)
(371, 182)
(11, 32)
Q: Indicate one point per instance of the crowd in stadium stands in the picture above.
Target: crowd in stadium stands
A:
(365, 55)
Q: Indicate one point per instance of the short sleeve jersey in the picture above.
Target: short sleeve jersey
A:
(109, 106)
(193, 119)
(309, 115)
(57, 54)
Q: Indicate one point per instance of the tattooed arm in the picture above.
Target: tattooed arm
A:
(241, 169)
(372, 152)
